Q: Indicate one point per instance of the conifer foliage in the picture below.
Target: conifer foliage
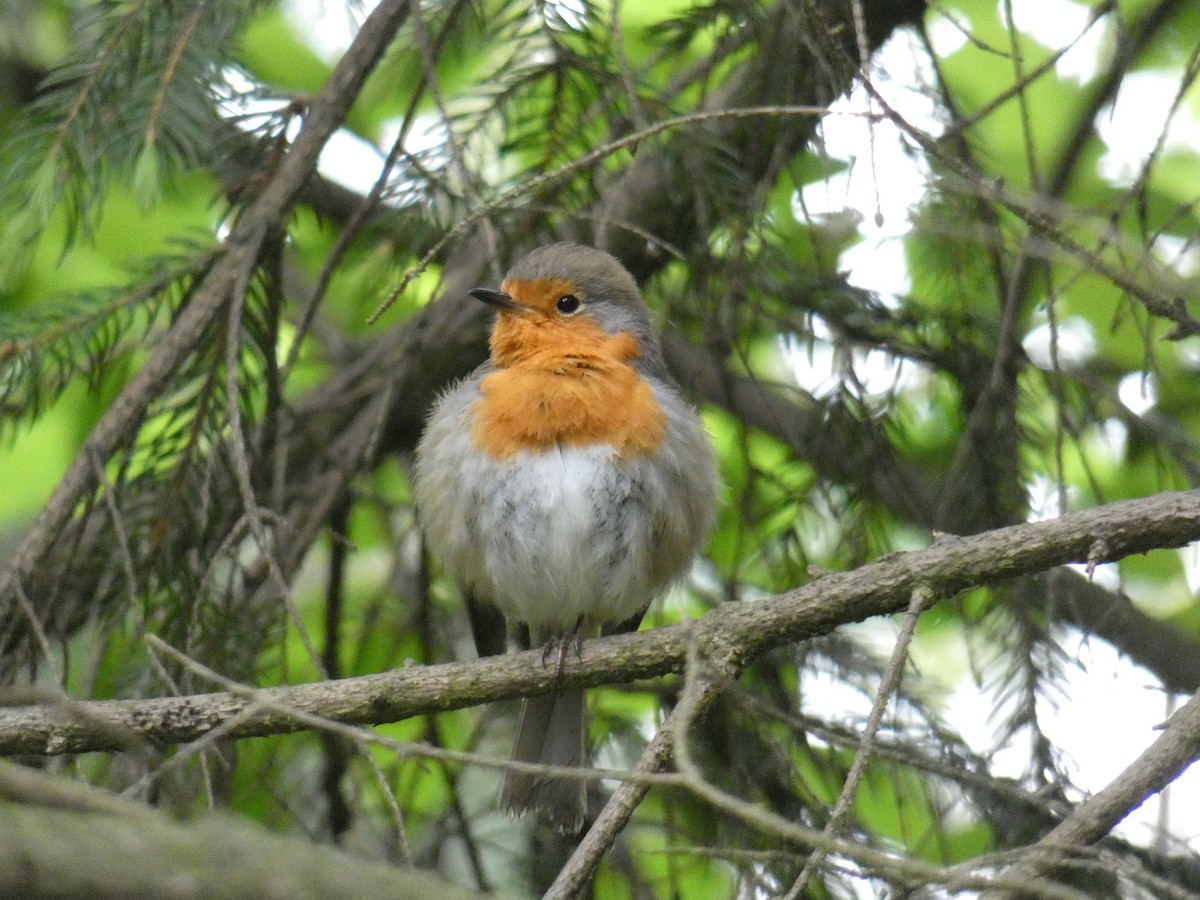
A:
(928, 270)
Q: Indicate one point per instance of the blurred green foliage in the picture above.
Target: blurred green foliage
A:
(116, 175)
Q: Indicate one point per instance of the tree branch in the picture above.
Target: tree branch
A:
(1175, 749)
(234, 266)
(737, 631)
(65, 840)
(655, 195)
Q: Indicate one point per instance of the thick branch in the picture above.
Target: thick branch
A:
(65, 840)
(739, 631)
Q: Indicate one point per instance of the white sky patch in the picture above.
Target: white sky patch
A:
(1115, 437)
(1180, 253)
(1082, 61)
(829, 697)
(1138, 392)
(1106, 575)
(327, 26)
(823, 370)
(1059, 23)
(1133, 124)
(1103, 713)
(1076, 344)
(1136, 706)
(427, 135)
(250, 112)
(878, 264)
(571, 13)
(1045, 499)
(346, 158)
(812, 364)
(1187, 352)
(947, 35)
(1189, 556)
(351, 161)
(885, 179)
(428, 140)
(1049, 22)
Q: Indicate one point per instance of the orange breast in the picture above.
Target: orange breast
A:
(564, 381)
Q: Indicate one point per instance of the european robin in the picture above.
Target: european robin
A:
(563, 484)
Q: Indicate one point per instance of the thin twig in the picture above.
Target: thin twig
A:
(922, 599)
(539, 183)
(1171, 753)
(238, 453)
(701, 687)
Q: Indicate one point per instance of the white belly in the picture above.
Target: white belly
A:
(561, 535)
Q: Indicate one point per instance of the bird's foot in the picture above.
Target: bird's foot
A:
(559, 647)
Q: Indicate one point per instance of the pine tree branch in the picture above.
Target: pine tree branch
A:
(442, 343)
(839, 446)
(445, 340)
(739, 632)
(267, 212)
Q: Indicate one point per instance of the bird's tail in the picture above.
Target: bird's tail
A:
(551, 732)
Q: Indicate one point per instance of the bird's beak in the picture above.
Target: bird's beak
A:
(498, 299)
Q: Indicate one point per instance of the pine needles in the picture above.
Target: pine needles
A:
(137, 100)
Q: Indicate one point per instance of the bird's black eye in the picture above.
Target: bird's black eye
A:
(568, 304)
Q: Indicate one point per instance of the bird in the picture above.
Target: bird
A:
(564, 484)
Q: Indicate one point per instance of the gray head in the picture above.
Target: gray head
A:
(599, 272)
(561, 281)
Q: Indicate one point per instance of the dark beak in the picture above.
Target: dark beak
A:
(498, 299)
